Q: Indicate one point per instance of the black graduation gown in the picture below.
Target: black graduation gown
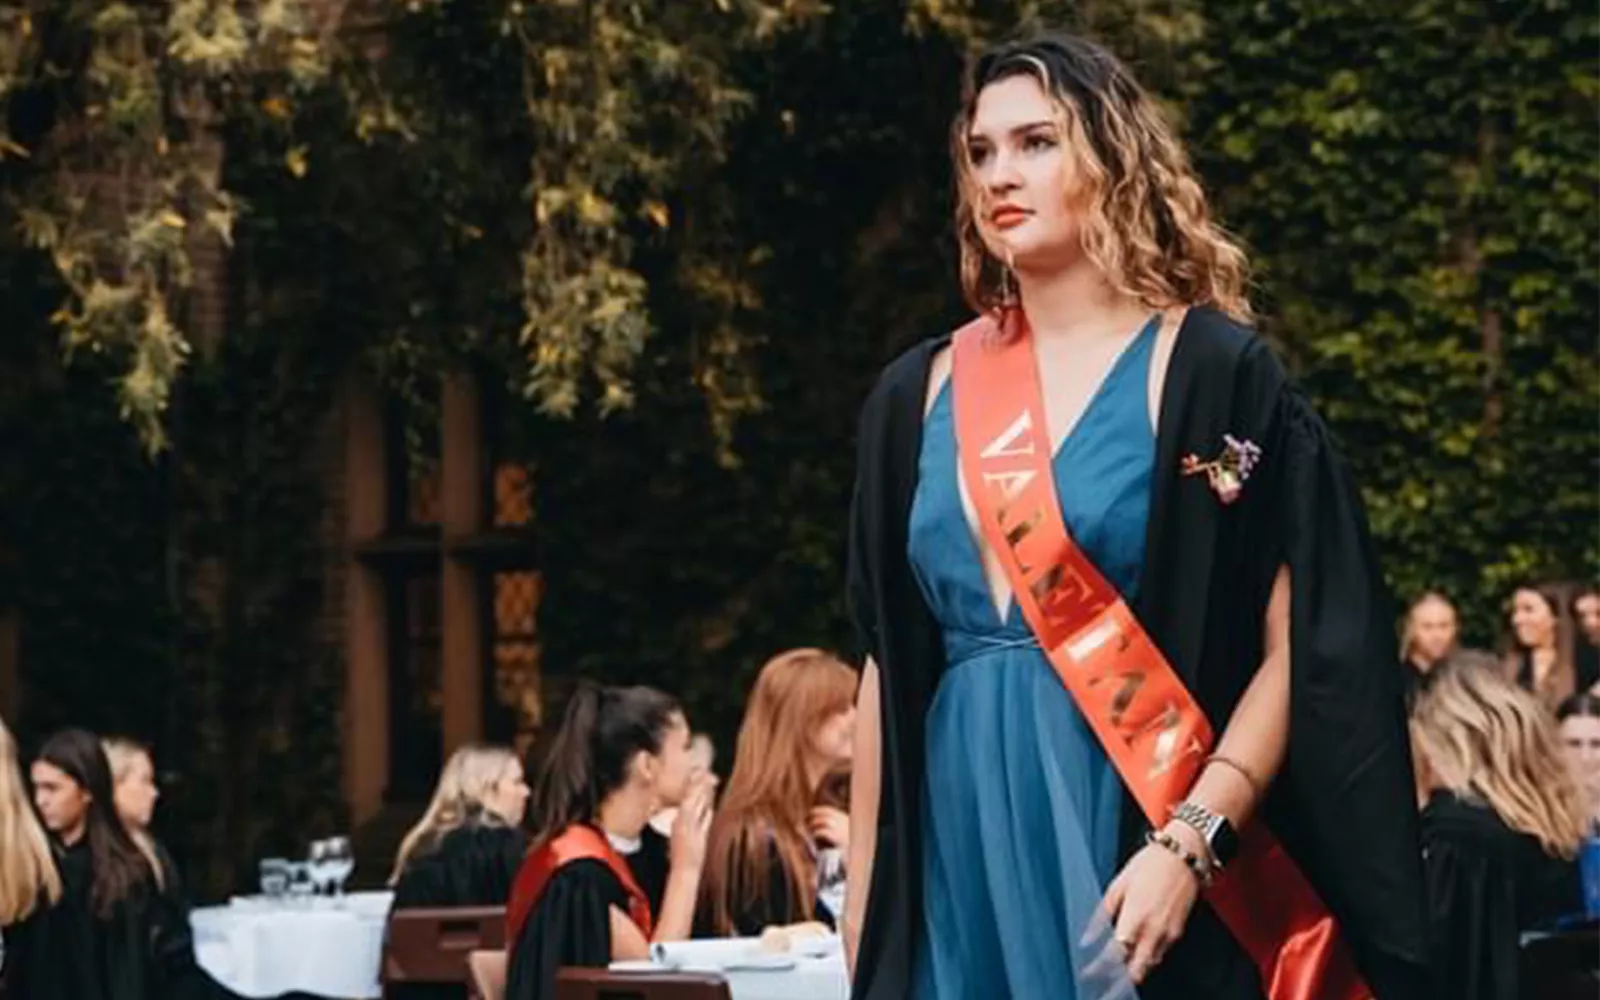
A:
(569, 925)
(472, 865)
(68, 953)
(1343, 805)
(1487, 884)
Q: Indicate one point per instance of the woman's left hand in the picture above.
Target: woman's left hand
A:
(1149, 903)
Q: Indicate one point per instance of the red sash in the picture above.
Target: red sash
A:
(578, 842)
(1152, 729)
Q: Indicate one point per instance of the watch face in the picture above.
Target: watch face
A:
(1224, 843)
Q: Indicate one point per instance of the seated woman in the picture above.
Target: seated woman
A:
(30, 887)
(1500, 828)
(775, 821)
(621, 753)
(466, 849)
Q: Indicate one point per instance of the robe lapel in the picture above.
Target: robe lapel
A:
(1180, 538)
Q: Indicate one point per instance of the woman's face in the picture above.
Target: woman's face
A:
(136, 792)
(508, 796)
(1587, 611)
(668, 771)
(63, 803)
(1580, 734)
(1532, 620)
(1433, 632)
(1021, 169)
(834, 740)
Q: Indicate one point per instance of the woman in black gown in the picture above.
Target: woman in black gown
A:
(1501, 827)
(111, 925)
(621, 754)
(468, 845)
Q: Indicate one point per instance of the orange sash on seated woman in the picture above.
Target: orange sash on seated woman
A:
(579, 842)
(1151, 727)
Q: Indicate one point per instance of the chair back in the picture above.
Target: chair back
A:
(1561, 966)
(431, 945)
(601, 984)
(488, 969)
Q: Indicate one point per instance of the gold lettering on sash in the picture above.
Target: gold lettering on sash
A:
(1085, 646)
(1016, 533)
(1132, 681)
(1005, 444)
(1010, 484)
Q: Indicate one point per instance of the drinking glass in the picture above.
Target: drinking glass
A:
(301, 883)
(274, 874)
(340, 862)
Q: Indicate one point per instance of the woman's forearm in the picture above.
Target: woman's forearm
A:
(865, 788)
(1257, 736)
(676, 922)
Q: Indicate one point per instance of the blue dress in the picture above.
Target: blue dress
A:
(1020, 806)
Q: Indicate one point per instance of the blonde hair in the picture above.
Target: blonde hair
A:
(467, 779)
(28, 872)
(1146, 224)
(121, 753)
(1478, 735)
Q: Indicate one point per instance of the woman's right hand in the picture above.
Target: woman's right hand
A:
(830, 826)
(693, 826)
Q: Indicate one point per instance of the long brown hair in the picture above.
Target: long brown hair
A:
(769, 795)
(1146, 223)
(1481, 736)
(1563, 679)
(120, 868)
(603, 729)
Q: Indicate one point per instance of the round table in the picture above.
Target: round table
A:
(262, 948)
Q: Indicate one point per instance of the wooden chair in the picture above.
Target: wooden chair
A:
(432, 945)
(601, 984)
(488, 970)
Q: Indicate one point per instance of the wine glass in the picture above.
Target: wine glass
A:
(321, 870)
(339, 862)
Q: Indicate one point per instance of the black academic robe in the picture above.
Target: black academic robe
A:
(472, 865)
(1487, 884)
(67, 952)
(570, 925)
(1343, 805)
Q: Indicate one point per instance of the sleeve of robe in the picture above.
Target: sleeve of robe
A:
(1347, 778)
(570, 926)
(1472, 925)
(471, 866)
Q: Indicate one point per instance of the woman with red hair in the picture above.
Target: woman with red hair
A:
(773, 825)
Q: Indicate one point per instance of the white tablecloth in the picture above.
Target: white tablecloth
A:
(819, 975)
(262, 948)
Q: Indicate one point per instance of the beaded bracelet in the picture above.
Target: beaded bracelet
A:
(1168, 842)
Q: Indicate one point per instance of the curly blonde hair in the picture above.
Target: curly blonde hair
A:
(1146, 224)
(1480, 736)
